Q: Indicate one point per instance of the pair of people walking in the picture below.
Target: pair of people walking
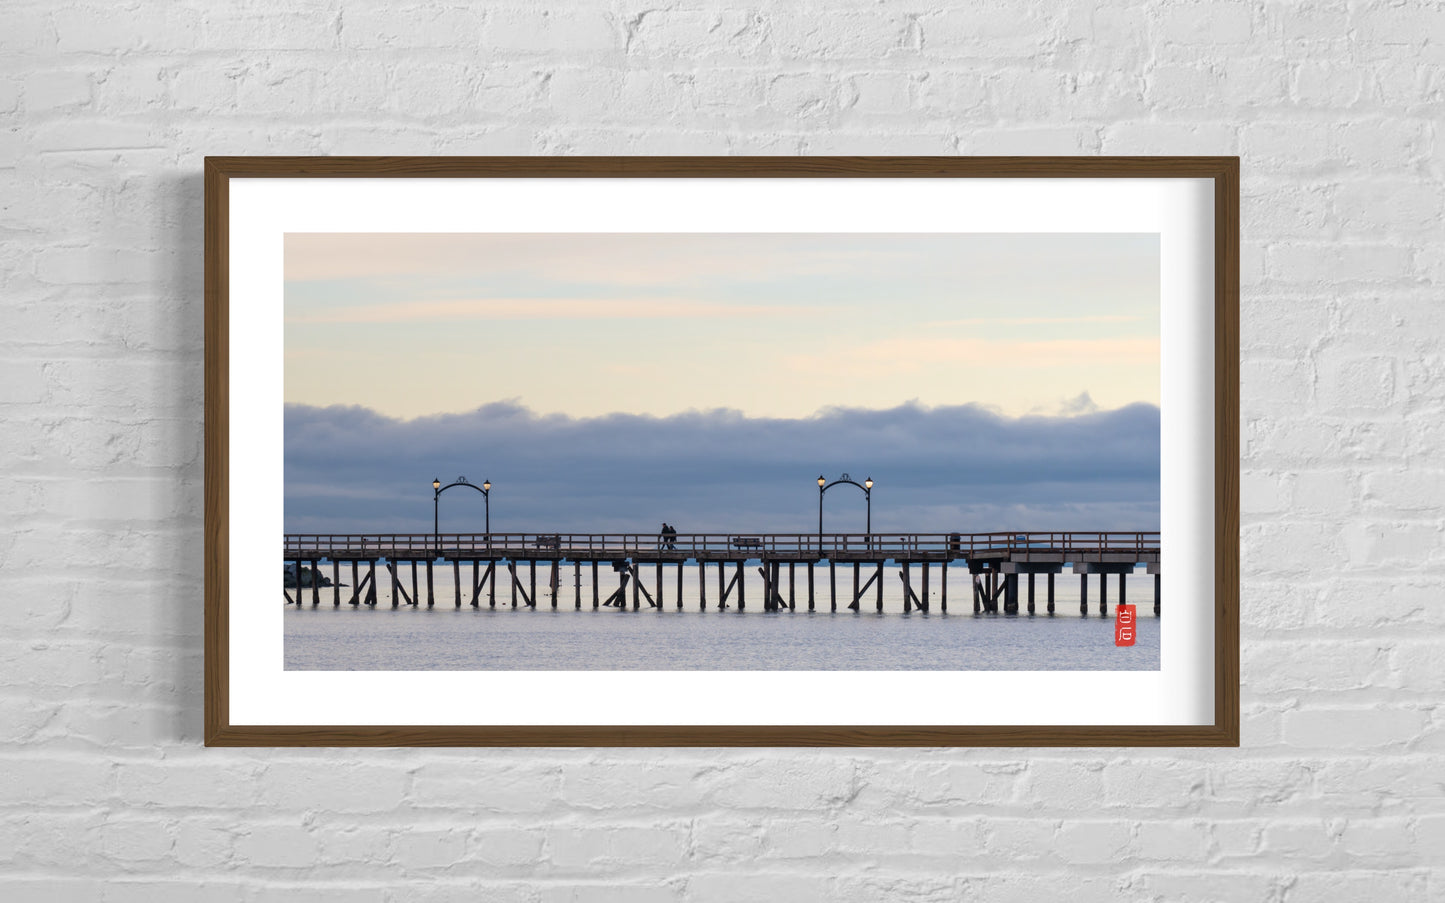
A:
(667, 538)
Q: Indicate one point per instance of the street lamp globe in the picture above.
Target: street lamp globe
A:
(487, 485)
(821, 481)
(436, 484)
(868, 483)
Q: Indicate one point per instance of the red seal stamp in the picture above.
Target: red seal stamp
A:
(1124, 625)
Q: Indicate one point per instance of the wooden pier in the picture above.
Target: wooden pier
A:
(994, 562)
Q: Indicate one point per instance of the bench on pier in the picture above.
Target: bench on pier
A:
(747, 542)
(548, 542)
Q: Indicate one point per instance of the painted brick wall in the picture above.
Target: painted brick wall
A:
(106, 110)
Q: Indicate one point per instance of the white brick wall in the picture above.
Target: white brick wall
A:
(105, 113)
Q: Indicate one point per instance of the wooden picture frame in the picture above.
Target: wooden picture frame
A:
(225, 350)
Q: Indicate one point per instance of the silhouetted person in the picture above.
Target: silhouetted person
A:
(669, 536)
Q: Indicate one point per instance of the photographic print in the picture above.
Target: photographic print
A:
(715, 451)
(771, 451)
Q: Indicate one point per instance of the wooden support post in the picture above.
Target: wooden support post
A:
(556, 582)
(529, 601)
(742, 591)
(853, 606)
(532, 584)
(595, 592)
(637, 584)
(315, 584)
(355, 584)
(577, 585)
(792, 587)
(397, 591)
(977, 602)
(701, 585)
(492, 583)
(832, 586)
(810, 586)
(657, 580)
(923, 599)
(1083, 594)
(767, 573)
(679, 586)
(905, 574)
(943, 588)
(1123, 597)
(1156, 595)
(430, 595)
(879, 589)
(371, 576)
(336, 585)
(723, 590)
(1103, 595)
(993, 598)
(1051, 593)
(1011, 594)
(618, 599)
(1031, 593)
(457, 580)
(478, 575)
(415, 596)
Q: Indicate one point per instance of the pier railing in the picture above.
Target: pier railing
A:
(713, 545)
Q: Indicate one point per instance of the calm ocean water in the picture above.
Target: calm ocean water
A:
(564, 639)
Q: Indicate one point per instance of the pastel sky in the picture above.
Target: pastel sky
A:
(779, 325)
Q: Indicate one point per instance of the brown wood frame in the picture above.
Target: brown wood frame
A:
(1224, 171)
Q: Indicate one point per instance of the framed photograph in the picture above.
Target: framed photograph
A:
(819, 451)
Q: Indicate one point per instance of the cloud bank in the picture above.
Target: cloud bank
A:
(350, 469)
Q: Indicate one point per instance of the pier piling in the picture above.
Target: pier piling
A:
(994, 561)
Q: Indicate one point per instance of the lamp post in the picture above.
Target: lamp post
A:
(824, 486)
(437, 489)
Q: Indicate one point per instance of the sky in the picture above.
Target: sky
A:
(611, 382)
(770, 325)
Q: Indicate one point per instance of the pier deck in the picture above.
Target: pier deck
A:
(995, 562)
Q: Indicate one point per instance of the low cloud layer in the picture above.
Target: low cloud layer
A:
(349, 469)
